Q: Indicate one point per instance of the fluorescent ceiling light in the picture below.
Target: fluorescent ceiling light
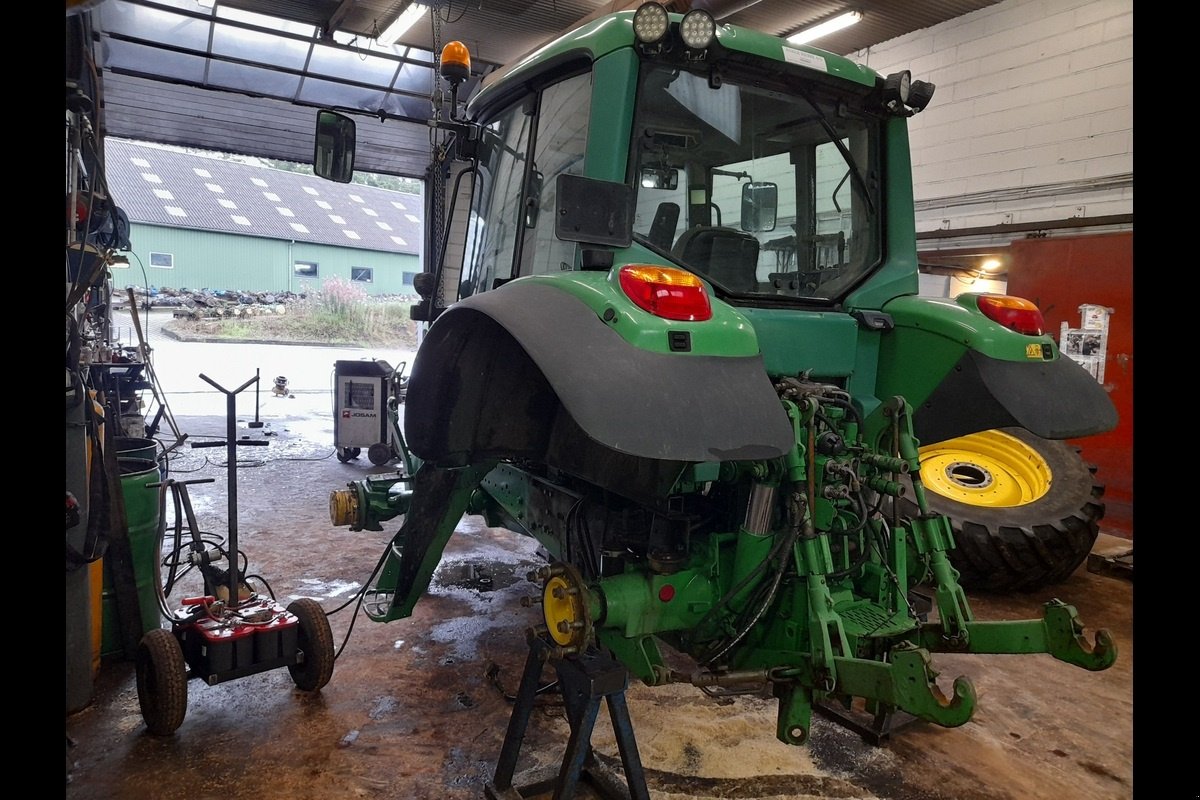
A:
(408, 17)
(825, 28)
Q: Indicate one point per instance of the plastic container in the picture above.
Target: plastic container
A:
(141, 514)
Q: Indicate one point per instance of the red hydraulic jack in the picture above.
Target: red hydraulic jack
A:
(230, 632)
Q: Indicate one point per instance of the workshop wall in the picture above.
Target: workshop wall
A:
(1032, 117)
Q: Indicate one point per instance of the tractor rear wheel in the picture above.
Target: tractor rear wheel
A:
(1025, 511)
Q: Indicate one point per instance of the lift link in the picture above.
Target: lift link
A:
(932, 534)
(813, 562)
(1059, 633)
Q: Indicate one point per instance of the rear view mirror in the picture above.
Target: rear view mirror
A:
(660, 178)
(760, 201)
(333, 149)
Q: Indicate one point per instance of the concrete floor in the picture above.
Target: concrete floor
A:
(411, 712)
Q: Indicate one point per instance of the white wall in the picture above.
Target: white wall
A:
(1032, 117)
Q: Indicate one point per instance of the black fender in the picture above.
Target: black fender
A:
(503, 373)
(1056, 399)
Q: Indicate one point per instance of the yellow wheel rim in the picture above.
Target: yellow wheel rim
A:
(991, 469)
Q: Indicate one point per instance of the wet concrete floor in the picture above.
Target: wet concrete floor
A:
(417, 709)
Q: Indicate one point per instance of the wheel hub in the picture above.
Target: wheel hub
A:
(564, 606)
(968, 475)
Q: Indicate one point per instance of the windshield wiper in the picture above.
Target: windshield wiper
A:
(859, 183)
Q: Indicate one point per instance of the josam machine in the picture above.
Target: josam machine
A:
(360, 410)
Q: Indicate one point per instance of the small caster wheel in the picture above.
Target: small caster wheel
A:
(379, 453)
(315, 643)
(161, 681)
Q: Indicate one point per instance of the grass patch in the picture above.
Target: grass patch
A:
(339, 314)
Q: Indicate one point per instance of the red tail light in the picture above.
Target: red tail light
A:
(666, 292)
(1015, 313)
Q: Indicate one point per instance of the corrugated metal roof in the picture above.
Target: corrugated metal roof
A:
(243, 62)
(164, 186)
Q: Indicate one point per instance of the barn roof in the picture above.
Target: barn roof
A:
(156, 185)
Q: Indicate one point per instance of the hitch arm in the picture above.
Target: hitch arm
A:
(908, 683)
(1059, 633)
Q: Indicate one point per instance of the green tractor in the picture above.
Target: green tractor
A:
(677, 339)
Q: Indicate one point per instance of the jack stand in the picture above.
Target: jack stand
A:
(584, 679)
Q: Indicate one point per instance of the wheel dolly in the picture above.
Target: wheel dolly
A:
(217, 638)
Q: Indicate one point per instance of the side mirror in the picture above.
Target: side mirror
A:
(423, 284)
(333, 148)
(760, 201)
(656, 178)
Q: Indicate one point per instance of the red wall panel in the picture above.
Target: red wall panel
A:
(1059, 275)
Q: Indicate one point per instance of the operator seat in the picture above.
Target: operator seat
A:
(728, 256)
(662, 229)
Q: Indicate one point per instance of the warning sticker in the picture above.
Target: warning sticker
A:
(794, 56)
(1033, 351)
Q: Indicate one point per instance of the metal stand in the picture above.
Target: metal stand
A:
(231, 445)
(584, 680)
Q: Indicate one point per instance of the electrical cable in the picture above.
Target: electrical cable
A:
(358, 596)
(461, 14)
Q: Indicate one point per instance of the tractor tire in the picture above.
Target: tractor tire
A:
(1025, 511)
(161, 681)
(315, 642)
